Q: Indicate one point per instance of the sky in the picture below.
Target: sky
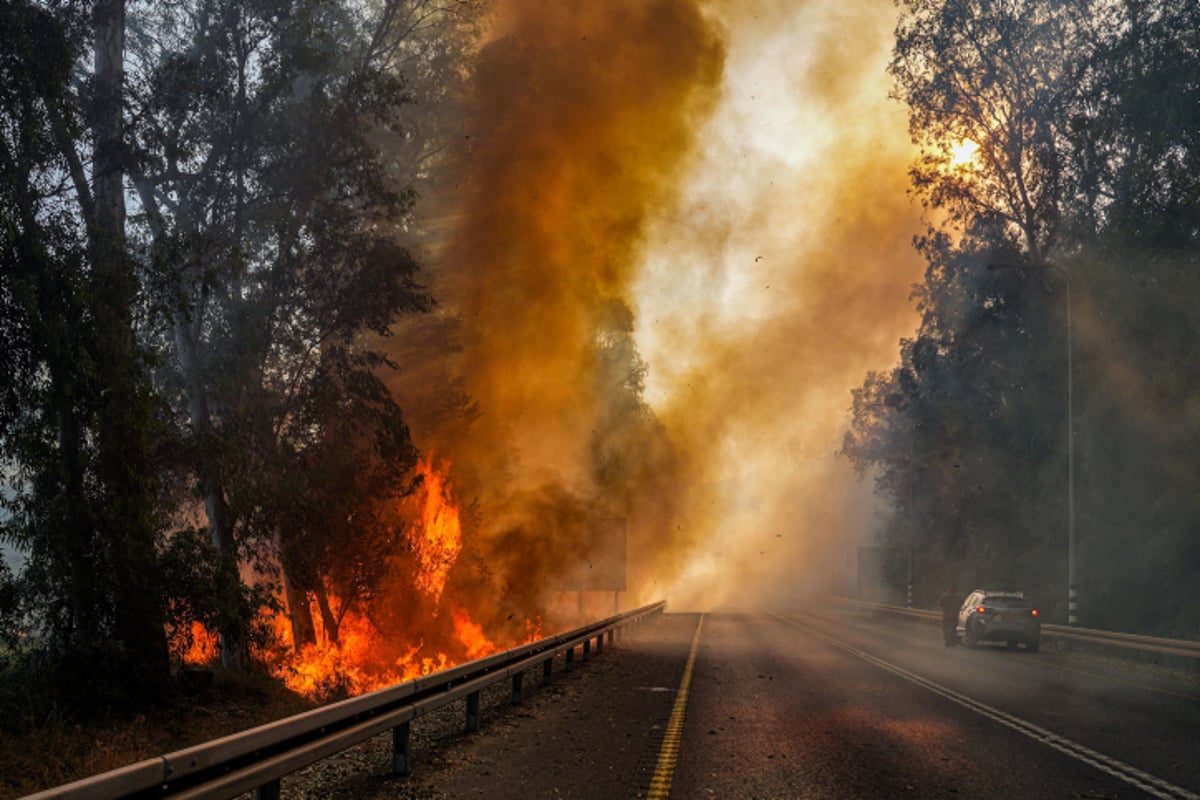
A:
(725, 179)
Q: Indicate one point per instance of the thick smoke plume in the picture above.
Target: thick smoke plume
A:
(779, 278)
(716, 186)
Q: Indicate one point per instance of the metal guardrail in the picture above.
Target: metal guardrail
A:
(1132, 641)
(256, 759)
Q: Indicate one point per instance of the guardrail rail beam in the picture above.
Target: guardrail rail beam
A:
(257, 759)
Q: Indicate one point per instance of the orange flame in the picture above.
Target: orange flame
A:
(471, 635)
(197, 646)
(356, 662)
(437, 538)
(351, 667)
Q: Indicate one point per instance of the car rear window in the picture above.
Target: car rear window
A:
(1006, 602)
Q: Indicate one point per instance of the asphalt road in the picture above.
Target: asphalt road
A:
(835, 705)
(840, 706)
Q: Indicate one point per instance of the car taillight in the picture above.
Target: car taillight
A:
(981, 610)
(1034, 612)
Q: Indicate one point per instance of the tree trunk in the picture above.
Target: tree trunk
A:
(299, 612)
(126, 414)
(185, 329)
(107, 176)
(328, 619)
(217, 511)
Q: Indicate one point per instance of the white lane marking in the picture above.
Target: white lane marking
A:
(1148, 783)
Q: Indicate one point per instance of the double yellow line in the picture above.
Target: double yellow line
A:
(664, 770)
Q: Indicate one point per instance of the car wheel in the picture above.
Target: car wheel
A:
(972, 637)
(1033, 645)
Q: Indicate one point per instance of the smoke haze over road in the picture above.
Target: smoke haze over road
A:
(722, 186)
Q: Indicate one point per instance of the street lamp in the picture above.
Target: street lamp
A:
(1072, 607)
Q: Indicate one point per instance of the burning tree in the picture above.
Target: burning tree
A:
(214, 343)
(272, 200)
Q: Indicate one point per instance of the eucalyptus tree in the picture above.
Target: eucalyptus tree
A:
(1135, 136)
(1084, 116)
(964, 437)
(79, 422)
(340, 513)
(1138, 217)
(274, 168)
(1066, 122)
(958, 434)
(988, 86)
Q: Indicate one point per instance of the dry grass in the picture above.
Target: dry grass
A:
(38, 753)
(55, 752)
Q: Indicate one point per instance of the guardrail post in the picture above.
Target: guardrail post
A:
(600, 643)
(268, 791)
(587, 649)
(612, 637)
(548, 671)
(400, 752)
(473, 712)
(518, 689)
(570, 665)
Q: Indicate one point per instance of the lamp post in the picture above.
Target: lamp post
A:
(1072, 606)
(912, 435)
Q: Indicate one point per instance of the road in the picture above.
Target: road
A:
(839, 707)
(835, 705)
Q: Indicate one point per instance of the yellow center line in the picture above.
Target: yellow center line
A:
(660, 784)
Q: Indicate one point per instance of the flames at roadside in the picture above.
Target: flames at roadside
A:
(664, 179)
(362, 657)
(437, 539)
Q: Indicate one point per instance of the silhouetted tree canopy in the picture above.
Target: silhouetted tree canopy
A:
(203, 209)
(1083, 189)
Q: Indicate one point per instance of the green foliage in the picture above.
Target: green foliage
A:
(76, 418)
(627, 431)
(952, 432)
(1134, 137)
(11, 632)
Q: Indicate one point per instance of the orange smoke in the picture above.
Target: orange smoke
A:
(582, 116)
(721, 183)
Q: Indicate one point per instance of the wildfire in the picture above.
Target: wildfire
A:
(352, 665)
(197, 645)
(471, 634)
(437, 538)
(355, 662)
